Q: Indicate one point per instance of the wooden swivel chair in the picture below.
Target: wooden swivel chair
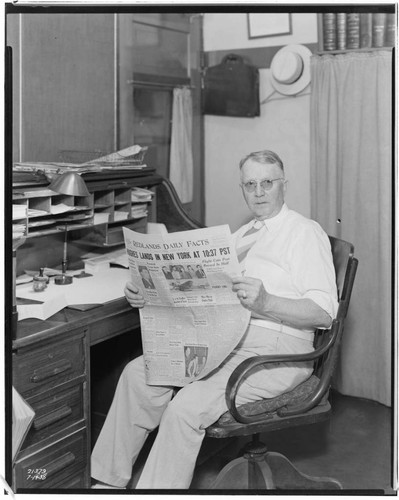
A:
(306, 404)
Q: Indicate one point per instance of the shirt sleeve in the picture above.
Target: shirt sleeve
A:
(313, 272)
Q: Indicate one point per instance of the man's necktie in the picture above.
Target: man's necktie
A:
(248, 239)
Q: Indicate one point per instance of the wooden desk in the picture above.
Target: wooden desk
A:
(53, 367)
(51, 370)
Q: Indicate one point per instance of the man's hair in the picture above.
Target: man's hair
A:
(265, 156)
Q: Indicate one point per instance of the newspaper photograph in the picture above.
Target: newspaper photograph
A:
(192, 319)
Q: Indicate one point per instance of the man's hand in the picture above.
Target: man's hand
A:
(133, 295)
(299, 313)
(252, 294)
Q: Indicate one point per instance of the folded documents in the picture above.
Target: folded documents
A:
(19, 212)
(97, 264)
(141, 194)
(120, 155)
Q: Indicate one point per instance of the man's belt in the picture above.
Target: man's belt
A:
(295, 332)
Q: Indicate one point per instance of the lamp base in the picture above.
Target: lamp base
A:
(63, 279)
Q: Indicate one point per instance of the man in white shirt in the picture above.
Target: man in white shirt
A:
(288, 284)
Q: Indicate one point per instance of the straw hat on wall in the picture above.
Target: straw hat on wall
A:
(290, 69)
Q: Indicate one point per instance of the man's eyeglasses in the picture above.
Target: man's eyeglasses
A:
(266, 184)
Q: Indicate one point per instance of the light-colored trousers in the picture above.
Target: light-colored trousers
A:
(138, 408)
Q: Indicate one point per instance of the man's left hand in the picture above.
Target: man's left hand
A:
(252, 293)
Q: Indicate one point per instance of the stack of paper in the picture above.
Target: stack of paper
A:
(141, 194)
(139, 210)
(60, 208)
(119, 155)
(33, 212)
(22, 418)
(103, 286)
(18, 230)
(120, 215)
(19, 212)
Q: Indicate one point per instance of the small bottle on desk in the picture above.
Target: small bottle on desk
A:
(40, 281)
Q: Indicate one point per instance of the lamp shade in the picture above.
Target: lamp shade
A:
(69, 183)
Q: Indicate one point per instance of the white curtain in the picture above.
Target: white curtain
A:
(351, 171)
(181, 157)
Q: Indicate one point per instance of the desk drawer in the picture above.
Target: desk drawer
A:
(81, 481)
(55, 464)
(115, 325)
(55, 413)
(35, 371)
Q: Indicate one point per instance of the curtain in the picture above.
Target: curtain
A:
(181, 158)
(351, 172)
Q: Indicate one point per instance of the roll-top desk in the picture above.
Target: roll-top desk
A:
(52, 359)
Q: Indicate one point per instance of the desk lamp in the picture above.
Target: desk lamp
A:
(68, 183)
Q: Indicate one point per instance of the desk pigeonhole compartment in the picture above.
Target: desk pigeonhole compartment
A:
(54, 464)
(115, 232)
(55, 412)
(38, 370)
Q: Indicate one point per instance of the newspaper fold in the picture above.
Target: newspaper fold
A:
(192, 319)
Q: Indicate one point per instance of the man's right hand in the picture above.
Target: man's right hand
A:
(133, 295)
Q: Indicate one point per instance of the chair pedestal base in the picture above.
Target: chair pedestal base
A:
(269, 470)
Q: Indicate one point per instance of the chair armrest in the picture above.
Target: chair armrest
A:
(244, 368)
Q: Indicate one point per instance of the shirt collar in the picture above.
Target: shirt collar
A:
(274, 222)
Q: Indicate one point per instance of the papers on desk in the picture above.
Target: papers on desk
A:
(52, 300)
(99, 263)
(105, 285)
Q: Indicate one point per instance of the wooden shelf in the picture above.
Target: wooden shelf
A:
(372, 31)
(346, 51)
(79, 213)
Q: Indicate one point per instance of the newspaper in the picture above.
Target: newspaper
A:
(192, 319)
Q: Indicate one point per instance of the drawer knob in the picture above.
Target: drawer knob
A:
(50, 371)
(52, 417)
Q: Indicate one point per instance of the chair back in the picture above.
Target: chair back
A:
(313, 392)
(345, 265)
(345, 270)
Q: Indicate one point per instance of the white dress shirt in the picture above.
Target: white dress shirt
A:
(292, 256)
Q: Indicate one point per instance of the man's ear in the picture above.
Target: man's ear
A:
(285, 186)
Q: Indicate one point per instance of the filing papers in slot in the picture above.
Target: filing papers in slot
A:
(140, 198)
(141, 194)
(19, 211)
(192, 319)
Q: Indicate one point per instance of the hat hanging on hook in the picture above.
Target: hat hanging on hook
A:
(290, 69)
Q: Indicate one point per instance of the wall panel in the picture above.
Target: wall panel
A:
(67, 85)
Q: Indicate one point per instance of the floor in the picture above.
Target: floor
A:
(354, 447)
